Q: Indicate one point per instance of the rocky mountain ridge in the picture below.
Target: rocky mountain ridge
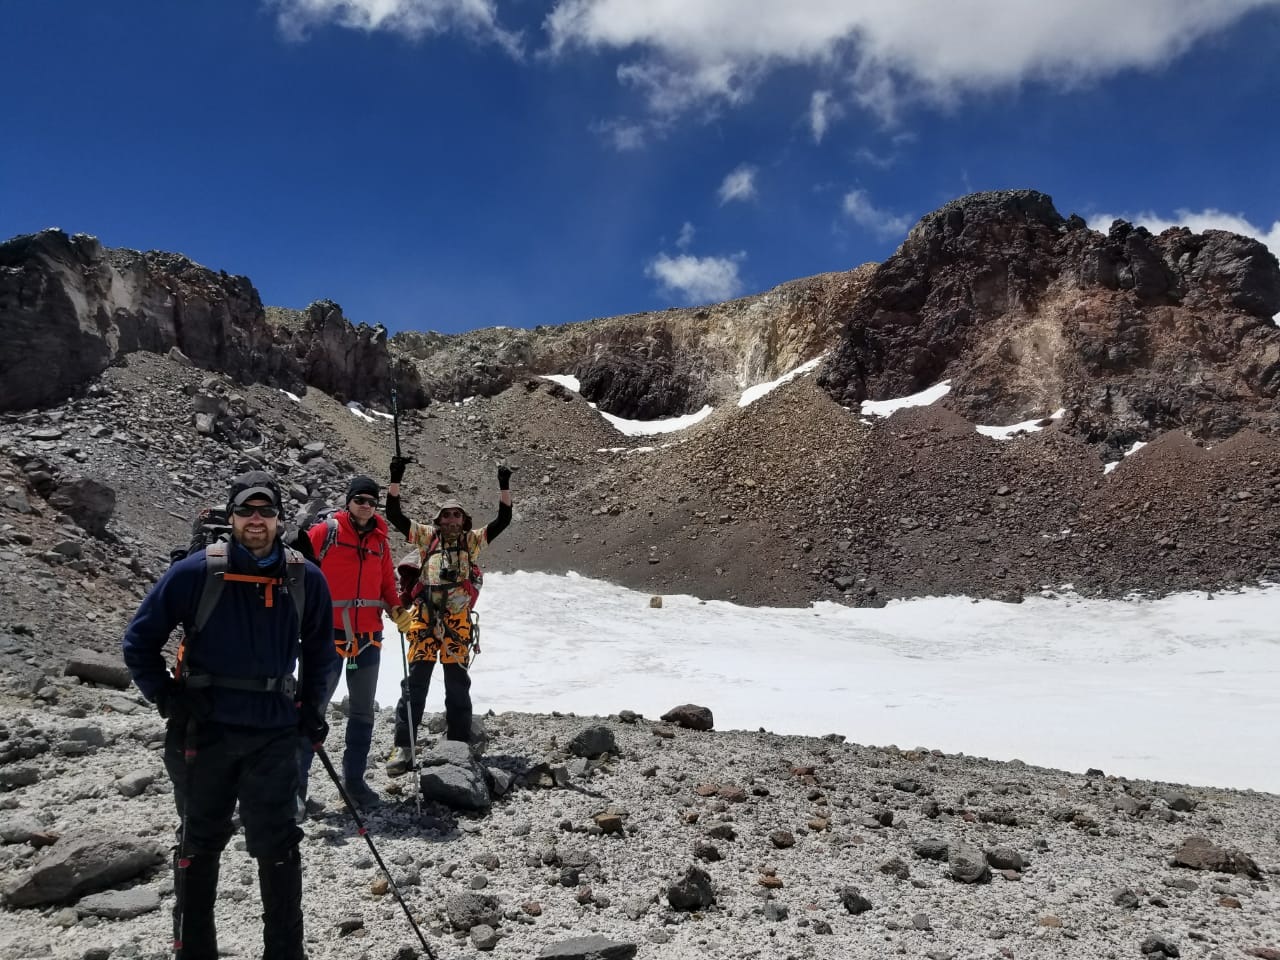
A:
(672, 842)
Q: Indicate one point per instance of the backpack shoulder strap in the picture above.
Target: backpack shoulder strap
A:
(330, 537)
(295, 575)
(215, 565)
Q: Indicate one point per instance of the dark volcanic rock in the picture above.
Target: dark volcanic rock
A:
(690, 716)
(1026, 312)
(646, 380)
(90, 503)
(69, 307)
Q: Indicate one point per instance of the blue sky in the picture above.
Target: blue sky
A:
(451, 164)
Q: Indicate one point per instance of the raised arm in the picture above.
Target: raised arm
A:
(395, 516)
(496, 526)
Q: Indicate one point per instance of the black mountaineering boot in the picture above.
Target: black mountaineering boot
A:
(281, 885)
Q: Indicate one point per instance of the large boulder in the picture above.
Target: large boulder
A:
(90, 503)
(452, 776)
(82, 862)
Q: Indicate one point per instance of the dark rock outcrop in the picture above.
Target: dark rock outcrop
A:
(1027, 312)
(69, 307)
(648, 365)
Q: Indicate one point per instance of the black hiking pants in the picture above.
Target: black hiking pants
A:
(258, 769)
(457, 701)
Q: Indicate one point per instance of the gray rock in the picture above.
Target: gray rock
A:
(691, 892)
(852, 900)
(594, 947)
(90, 503)
(103, 668)
(968, 863)
(593, 741)
(775, 911)
(484, 937)
(1126, 898)
(81, 863)
(451, 776)
(120, 904)
(1157, 946)
(466, 910)
(1006, 858)
(13, 777)
(931, 849)
(500, 780)
(88, 734)
(134, 783)
(20, 828)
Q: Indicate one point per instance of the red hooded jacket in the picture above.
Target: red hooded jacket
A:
(358, 566)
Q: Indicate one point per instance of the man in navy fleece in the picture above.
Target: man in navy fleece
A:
(234, 710)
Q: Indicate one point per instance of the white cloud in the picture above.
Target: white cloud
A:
(822, 110)
(1197, 222)
(412, 18)
(625, 135)
(697, 279)
(687, 232)
(700, 51)
(859, 208)
(739, 184)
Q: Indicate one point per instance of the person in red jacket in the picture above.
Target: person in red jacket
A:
(354, 555)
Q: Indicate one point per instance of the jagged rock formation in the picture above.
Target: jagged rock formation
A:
(349, 362)
(1027, 312)
(794, 497)
(69, 307)
(649, 365)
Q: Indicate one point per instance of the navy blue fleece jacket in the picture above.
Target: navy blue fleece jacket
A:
(243, 638)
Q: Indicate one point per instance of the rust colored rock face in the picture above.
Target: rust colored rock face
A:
(1027, 312)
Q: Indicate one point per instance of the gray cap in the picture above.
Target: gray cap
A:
(256, 484)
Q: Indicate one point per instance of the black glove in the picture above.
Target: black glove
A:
(311, 723)
(504, 476)
(397, 468)
(177, 703)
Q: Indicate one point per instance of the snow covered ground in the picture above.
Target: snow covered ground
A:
(1180, 689)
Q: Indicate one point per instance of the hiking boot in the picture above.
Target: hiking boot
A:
(363, 795)
(399, 763)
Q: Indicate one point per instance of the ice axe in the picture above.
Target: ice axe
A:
(395, 424)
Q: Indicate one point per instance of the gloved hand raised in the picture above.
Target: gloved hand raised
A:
(504, 476)
(311, 723)
(178, 704)
(397, 468)
(402, 618)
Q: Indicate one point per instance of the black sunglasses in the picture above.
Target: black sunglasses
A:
(365, 501)
(248, 511)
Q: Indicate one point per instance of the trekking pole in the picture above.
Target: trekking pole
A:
(184, 861)
(407, 698)
(364, 832)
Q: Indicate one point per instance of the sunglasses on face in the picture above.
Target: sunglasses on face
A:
(365, 501)
(450, 514)
(263, 511)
